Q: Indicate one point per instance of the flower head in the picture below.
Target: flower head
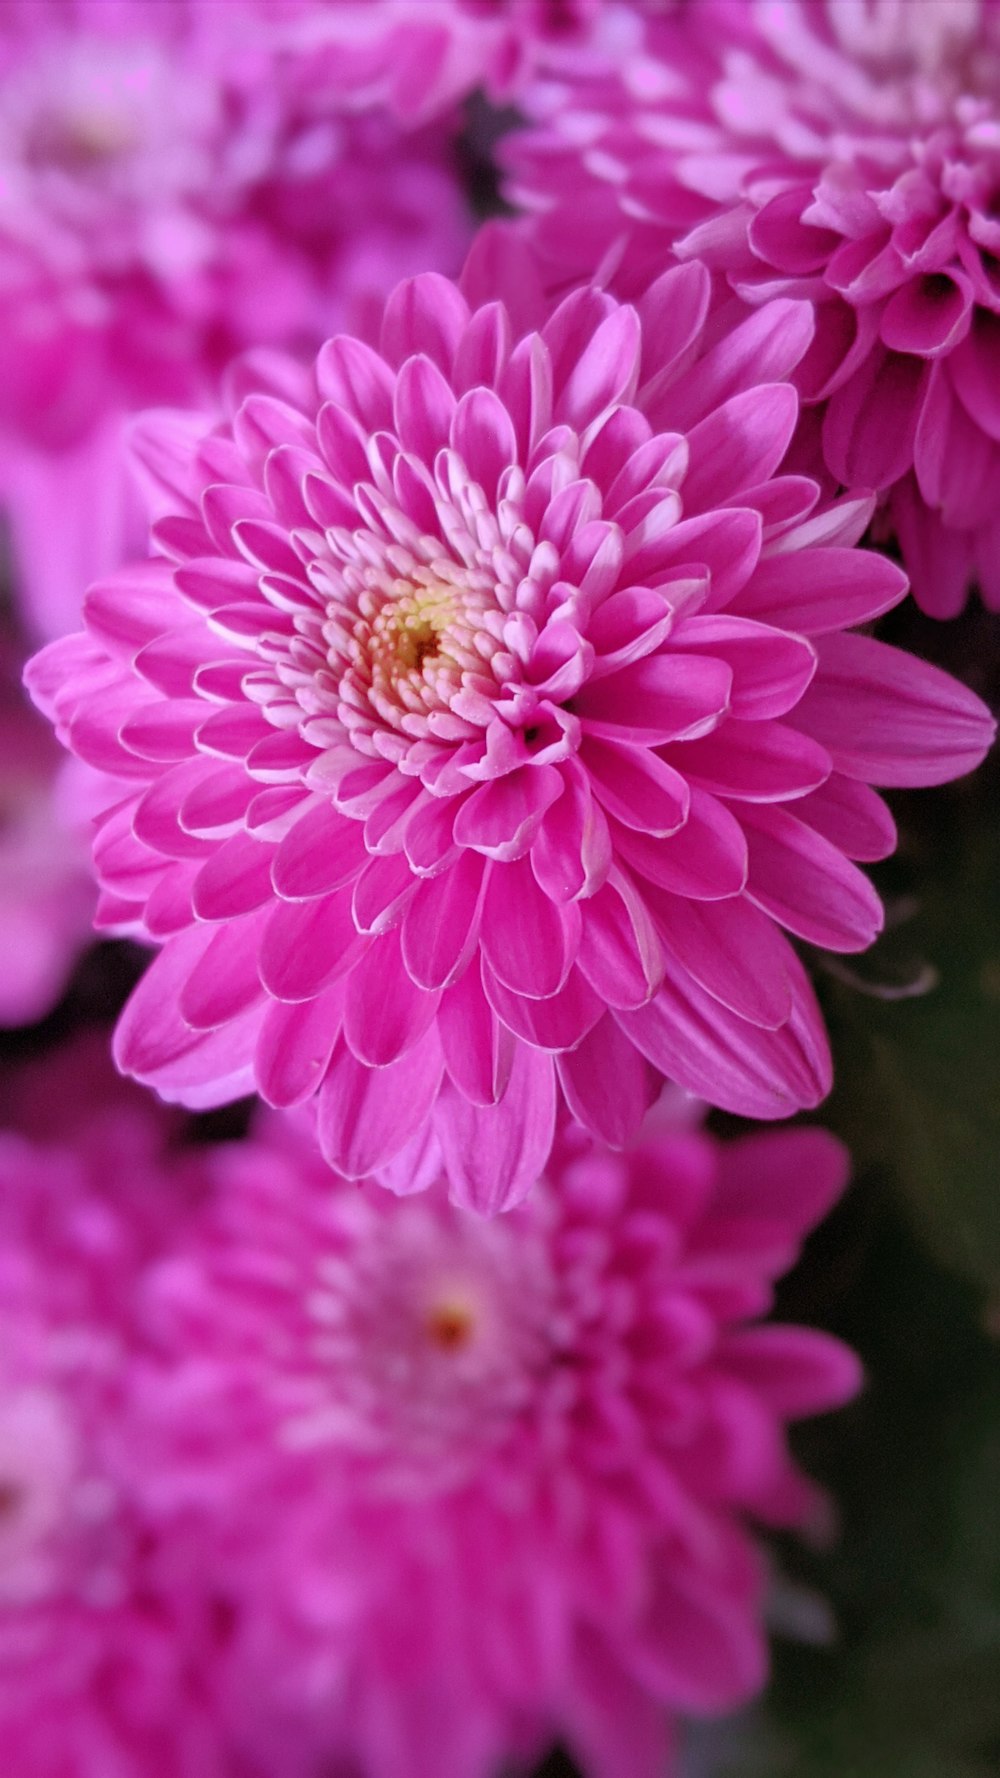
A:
(485, 711)
(171, 189)
(495, 1475)
(849, 154)
(178, 181)
(105, 1638)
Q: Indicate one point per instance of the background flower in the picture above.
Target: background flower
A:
(842, 153)
(106, 1636)
(178, 181)
(492, 1477)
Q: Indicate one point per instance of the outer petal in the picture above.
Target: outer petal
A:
(494, 1154)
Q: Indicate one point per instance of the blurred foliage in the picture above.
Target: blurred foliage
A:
(915, 1024)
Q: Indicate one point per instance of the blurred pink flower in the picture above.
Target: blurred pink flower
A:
(486, 709)
(479, 1484)
(46, 891)
(178, 181)
(842, 152)
(105, 1642)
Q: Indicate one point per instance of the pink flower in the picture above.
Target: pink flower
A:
(106, 1637)
(845, 153)
(419, 58)
(493, 1477)
(486, 710)
(46, 891)
(177, 182)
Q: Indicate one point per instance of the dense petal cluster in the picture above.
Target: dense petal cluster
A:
(178, 181)
(495, 1475)
(847, 154)
(105, 1643)
(171, 189)
(488, 706)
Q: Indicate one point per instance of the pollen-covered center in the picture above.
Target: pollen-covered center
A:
(417, 645)
(411, 632)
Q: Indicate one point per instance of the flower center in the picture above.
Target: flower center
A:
(451, 1324)
(411, 632)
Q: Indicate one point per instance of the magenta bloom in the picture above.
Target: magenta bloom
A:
(848, 154)
(483, 1483)
(486, 710)
(176, 182)
(106, 1636)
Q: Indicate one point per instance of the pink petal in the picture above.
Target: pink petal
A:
(306, 945)
(483, 435)
(381, 893)
(604, 374)
(699, 1651)
(927, 316)
(441, 923)
(153, 1043)
(797, 1370)
(529, 941)
(790, 1178)
(501, 817)
(234, 880)
(829, 589)
(696, 1041)
(870, 426)
(323, 851)
(294, 1047)
(635, 786)
(494, 1154)
(763, 349)
(353, 377)
(706, 858)
(424, 407)
(571, 852)
(424, 314)
(739, 445)
(556, 1023)
(802, 881)
(891, 719)
(732, 951)
(756, 762)
(620, 952)
(478, 1049)
(366, 1115)
(609, 1086)
(852, 817)
(226, 981)
(386, 1013)
(770, 669)
(662, 698)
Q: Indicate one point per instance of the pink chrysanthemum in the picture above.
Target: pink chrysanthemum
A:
(845, 153)
(486, 710)
(178, 181)
(421, 57)
(106, 1635)
(485, 1483)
